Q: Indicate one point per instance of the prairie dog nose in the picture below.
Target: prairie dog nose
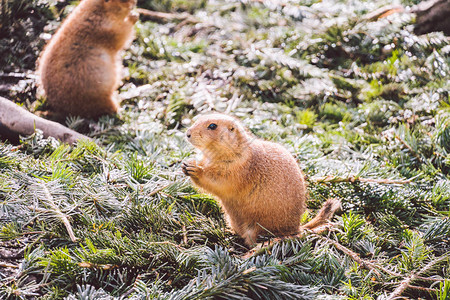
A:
(188, 133)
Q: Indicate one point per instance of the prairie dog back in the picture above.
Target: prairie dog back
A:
(80, 67)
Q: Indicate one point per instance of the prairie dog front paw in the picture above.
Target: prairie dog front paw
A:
(133, 16)
(191, 169)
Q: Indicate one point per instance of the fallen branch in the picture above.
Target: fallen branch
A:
(353, 179)
(16, 121)
(163, 17)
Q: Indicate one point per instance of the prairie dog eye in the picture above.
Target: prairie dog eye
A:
(212, 126)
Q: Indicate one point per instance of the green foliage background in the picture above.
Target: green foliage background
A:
(349, 97)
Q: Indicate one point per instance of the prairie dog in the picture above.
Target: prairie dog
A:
(80, 67)
(259, 184)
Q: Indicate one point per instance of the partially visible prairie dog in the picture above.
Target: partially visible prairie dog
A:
(80, 67)
(259, 184)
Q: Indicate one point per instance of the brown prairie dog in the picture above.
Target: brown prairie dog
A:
(80, 67)
(259, 184)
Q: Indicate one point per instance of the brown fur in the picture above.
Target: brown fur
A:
(80, 67)
(259, 184)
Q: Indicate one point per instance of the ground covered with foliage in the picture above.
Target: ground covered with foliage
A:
(362, 103)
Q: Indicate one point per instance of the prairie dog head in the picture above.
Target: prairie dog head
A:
(119, 7)
(218, 136)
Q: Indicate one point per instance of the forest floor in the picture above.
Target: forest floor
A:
(361, 102)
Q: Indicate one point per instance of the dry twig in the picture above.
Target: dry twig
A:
(163, 17)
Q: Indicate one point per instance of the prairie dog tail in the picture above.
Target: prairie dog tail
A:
(324, 215)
